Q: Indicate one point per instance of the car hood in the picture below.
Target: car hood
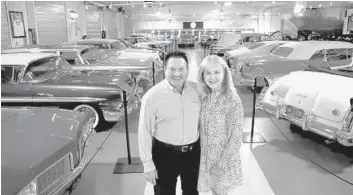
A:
(239, 51)
(322, 94)
(28, 148)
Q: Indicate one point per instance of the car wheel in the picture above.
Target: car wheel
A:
(89, 110)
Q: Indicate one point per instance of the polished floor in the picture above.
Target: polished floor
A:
(292, 162)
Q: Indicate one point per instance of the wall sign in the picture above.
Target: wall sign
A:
(192, 25)
(17, 24)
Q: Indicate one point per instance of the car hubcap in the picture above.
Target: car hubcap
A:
(91, 113)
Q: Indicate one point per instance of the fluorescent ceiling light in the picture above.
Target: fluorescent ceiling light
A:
(228, 3)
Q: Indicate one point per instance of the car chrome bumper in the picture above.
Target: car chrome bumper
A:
(345, 138)
(113, 116)
(241, 81)
(313, 123)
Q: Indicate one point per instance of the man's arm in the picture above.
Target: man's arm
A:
(145, 132)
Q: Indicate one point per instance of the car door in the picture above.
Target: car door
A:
(14, 91)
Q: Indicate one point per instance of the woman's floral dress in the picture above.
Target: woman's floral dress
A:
(221, 128)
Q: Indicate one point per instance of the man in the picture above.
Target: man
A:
(168, 130)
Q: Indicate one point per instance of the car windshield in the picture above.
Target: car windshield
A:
(283, 51)
(125, 43)
(343, 71)
(94, 55)
(255, 45)
(46, 68)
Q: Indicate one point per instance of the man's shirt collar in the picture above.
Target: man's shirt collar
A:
(173, 88)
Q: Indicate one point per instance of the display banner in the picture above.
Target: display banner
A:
(192, 25)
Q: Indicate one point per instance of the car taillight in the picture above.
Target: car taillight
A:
(348, 121)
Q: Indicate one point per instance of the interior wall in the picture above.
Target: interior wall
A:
(262, 24)
(19, 6)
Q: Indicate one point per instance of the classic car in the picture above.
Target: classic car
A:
(317, 99)
(114, 46)
(44, 79)
(252, 50)
(93, 60)
(208, 42)
(44, 150)
(187, 40)
(230, 42)
(292, 56)
(147, 42)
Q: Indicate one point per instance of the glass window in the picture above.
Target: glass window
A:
(46, 68)
(283, 51)
(255, 45)
(336, 54)
(94, 55)
(318, 55)
(118, 45)
(6, 74)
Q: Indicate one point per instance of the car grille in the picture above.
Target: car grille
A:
(53, 173)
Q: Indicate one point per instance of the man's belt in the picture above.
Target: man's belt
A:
(182, 148)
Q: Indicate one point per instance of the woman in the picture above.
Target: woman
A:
(221, 128)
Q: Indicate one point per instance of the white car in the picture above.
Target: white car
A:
(290, 57)
(318, 99)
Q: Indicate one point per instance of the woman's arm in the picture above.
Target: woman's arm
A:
(234, 120)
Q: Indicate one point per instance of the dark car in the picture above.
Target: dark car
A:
(44, 150)
(43, 79)
(92, 60)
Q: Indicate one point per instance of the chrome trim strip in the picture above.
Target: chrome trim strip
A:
(49, 99)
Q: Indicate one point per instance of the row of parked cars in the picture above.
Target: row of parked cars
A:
(309, 83)
(55, 97)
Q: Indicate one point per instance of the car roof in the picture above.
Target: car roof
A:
(274, 42)
(22, 58)
(100, 40)
(48, 48)
(306, 49)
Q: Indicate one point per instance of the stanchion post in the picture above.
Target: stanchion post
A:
(153, 70)
(131, 164)
(127, 128)
(253, 111)
(254, 137)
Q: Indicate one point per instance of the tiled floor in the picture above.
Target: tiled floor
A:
(281, 166)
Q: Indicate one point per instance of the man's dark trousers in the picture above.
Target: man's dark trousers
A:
(171, 163)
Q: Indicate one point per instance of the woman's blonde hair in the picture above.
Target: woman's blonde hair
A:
(202, 87)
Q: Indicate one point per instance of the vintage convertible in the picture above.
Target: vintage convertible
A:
(44, 150)
(289, 57)
(316, 99)
(44, 79)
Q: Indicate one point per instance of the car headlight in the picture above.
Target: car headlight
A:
(30, 189)
(86, 132)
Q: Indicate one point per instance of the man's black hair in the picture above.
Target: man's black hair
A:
(176, 54)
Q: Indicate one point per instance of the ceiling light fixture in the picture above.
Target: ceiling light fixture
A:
(228, 3)
(320, 5)
(331, 3)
